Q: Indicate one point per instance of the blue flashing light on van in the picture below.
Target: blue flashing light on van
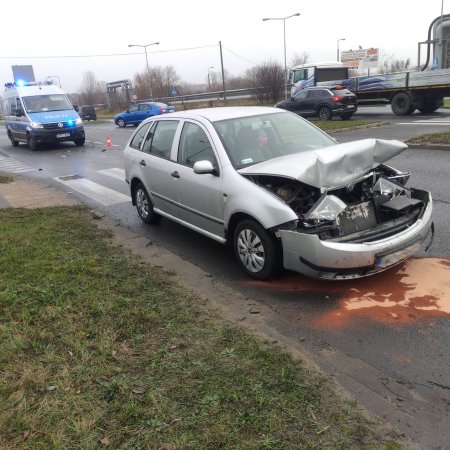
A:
(40, 113)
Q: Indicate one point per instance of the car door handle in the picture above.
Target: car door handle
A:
(175, 174)
(143, 163)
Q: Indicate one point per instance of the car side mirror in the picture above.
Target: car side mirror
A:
(75, 107)
(205, 166)
(18, 113)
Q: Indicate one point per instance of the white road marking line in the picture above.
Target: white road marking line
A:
(115, 172)
(423, 123)
(101, 194)
(13, 166)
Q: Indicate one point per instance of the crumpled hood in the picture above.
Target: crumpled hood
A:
(330, 166)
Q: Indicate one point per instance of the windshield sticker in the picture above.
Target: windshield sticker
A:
(246, 161)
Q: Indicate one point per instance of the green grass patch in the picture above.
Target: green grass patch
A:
(432, 138)
(335, 125)
(5, 178)
(98, 349)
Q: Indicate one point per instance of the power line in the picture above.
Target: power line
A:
(104, 55)
(241, 57)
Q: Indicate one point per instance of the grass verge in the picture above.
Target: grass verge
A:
(336, 125)
(432, 138)
(5, 178)
(100, 350)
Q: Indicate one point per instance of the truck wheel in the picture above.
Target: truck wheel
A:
(13, 141)
(325, 113)
(428, 109)
(32, 144)
(401, 104)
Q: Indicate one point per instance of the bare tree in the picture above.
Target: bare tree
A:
(162, 80)
(268, 77)
(393, 64)
(92, 91)
(298, 59)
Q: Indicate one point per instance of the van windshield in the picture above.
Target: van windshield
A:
(41, 103)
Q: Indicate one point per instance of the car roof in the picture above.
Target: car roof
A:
(226, 112)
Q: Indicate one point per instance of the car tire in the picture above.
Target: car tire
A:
(257, 251)
(324, 113)
(346, 116)
(14, 143)
(79, 142)
(32, 144)
(121, 123)
(144, 205)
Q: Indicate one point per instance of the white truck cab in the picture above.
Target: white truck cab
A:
(40, 112)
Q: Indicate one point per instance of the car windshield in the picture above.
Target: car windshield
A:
(41, 103)
(254, 139)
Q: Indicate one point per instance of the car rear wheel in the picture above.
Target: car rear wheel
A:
(13, 141)
(32, 144)
(121, 123)
(257, 251)
(144, 205)
(325, 113)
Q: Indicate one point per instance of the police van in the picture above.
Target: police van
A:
(35, 113)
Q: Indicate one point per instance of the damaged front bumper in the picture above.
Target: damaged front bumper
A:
(311, 256)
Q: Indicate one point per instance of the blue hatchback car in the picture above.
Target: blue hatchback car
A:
(137, 113)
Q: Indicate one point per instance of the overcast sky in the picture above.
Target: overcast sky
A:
(98, 27)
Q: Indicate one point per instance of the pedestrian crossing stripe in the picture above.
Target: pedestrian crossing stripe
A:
(13, 166)
(95, 191)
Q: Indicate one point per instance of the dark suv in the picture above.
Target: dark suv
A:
(87, 113)
(323, 102)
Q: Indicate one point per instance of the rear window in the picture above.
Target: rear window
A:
(88, 109)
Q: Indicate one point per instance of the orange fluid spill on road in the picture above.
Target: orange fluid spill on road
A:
(415, 290)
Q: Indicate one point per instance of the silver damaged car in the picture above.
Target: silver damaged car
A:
(279, 190)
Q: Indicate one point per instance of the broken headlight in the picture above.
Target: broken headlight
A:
(327, 208)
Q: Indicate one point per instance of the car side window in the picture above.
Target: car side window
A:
(143, 107)
(133, 108)
(313, 94)
(139, 137)
(301, 95)
(195, 146)
(162, 139)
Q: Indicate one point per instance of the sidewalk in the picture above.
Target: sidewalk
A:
(27, 193)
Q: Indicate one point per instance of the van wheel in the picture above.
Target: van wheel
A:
(13, 141)
(79, 142)
(32, 144)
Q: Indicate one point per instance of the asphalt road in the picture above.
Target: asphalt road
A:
(385, 338)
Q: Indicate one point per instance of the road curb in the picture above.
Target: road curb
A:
(358, 127)
(426, 146)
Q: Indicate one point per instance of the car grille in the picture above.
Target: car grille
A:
(55, 126)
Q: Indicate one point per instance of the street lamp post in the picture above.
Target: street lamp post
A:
(146, 61)
(342, 39)
(209, 79)
(284, 39)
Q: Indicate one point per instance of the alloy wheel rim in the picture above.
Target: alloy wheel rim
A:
(142, 203)
(251, 250)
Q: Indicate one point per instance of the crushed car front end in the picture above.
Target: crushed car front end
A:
(355, 215)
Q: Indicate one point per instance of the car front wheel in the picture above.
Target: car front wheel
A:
(144, 205)
(257, 251)
(121, 123)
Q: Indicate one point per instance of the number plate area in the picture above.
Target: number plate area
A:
(62, 135)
